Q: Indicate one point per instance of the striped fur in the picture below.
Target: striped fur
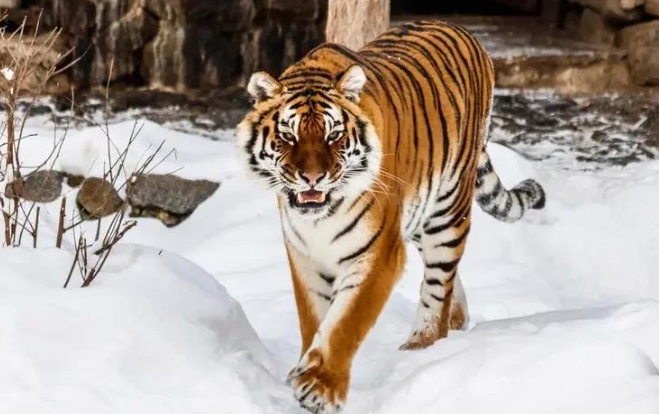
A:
(367, 150)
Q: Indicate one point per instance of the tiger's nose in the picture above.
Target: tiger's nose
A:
(312, 178)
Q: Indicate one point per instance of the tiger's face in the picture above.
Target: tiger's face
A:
(312, 144)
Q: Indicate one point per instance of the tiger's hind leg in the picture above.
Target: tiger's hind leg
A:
(442, 305)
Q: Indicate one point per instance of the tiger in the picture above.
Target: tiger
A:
(368, 150)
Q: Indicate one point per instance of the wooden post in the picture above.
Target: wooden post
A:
(353, 23)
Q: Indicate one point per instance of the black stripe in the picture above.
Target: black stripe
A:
(364, 248)
(347, 287)
(414, 222)
(307, 72)
(327, 278)
(454, 222)
(322, 295)
(441, 213)
(449, 193)
(354, 203)
(398, 87)
(465, 65)
(437, 298)
(295, 232)
(335, 207)
(518, 196)
(484, 199)
(443, 266)
(457, 67)
(455, 242)
(433, 281)
(477, 64)
(352, 224)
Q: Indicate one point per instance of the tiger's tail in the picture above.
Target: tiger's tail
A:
(500, 203)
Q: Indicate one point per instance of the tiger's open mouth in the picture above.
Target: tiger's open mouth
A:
(310, 199)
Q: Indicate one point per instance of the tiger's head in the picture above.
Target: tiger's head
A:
(310, 141)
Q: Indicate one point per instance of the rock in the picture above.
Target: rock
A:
(652, 7)
(120, 42)
(9, 4)
(97, 198)
(184, 44)
(631, 4)
(226, 16)
(642, 44)
(41, 186)
(74, 180)
(303, 10)
(612, 10)
(595, 29)
(167, 197)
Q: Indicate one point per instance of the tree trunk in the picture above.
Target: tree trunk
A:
(353, 23)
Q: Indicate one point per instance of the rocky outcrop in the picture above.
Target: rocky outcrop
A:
(652, 7)
(642, 44)
(594, 28)
(184, 44)
(615, 10)
(632, 25)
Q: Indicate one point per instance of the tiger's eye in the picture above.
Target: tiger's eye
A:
(333, 136)
(287, 137)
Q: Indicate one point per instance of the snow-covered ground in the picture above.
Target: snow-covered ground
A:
(200, 318)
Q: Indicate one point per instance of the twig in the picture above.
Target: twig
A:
(60, 227)
(75, 261)
(98, 230)
(129, 225)
(7, 219)
(35, 236)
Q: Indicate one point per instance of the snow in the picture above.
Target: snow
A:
(200, 318)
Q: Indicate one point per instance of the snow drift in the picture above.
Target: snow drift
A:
(564, 304)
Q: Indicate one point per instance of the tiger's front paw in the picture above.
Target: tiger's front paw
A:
(319, 388)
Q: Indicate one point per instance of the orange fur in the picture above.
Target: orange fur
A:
(427, 100)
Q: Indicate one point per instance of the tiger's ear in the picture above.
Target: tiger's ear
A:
(352, 82)
(263, 86)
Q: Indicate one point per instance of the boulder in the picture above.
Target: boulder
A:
(613, 10)
(169, 198)
(9, 4)
(120, 44)
(631, 4)
(97, 198)
(642, 44)
(595, 29)
(41, 186)
(652, 7)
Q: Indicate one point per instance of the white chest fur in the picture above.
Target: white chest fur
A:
(326, 247)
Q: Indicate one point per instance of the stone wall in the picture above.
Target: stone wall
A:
(632, 25)
(183, 44)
